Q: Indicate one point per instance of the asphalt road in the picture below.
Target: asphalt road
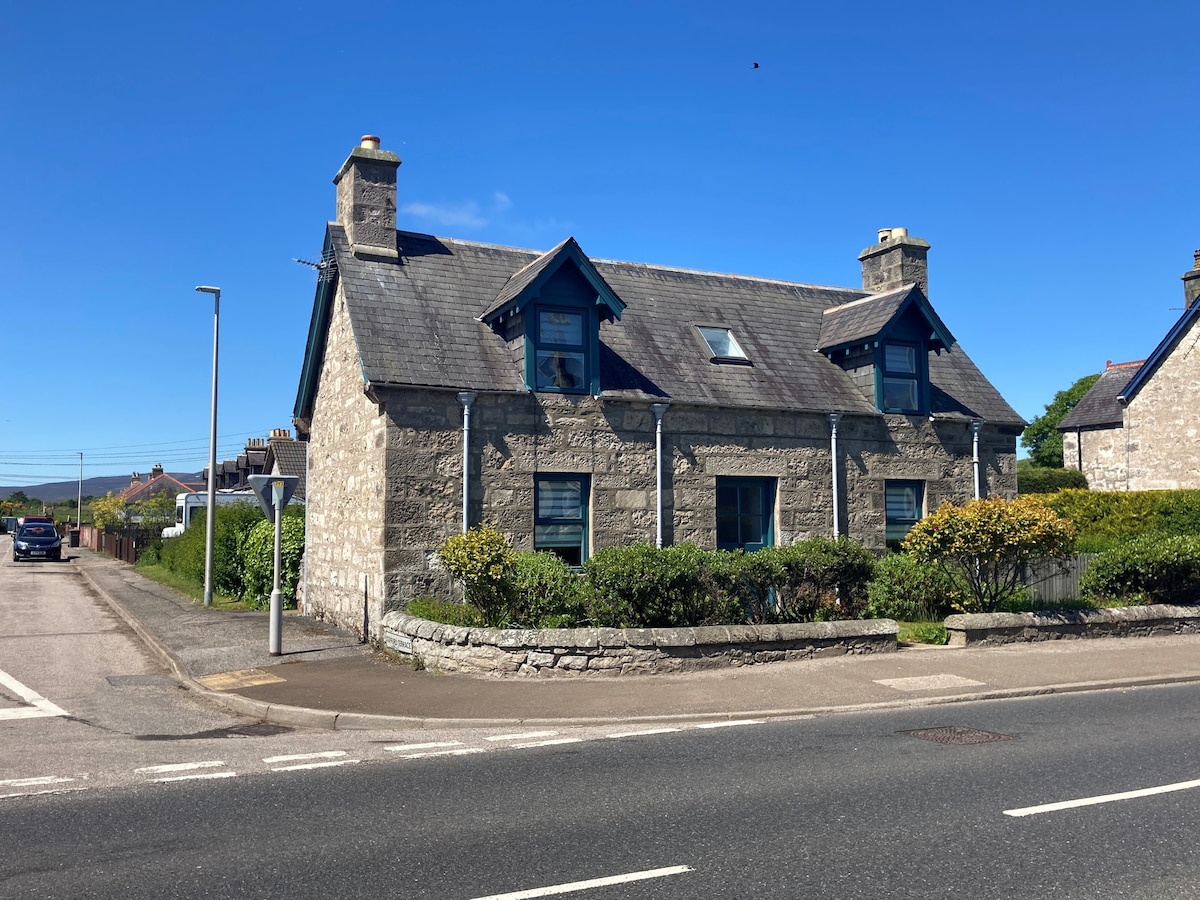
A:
(849, 806)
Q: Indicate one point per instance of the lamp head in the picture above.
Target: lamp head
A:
(206, 289)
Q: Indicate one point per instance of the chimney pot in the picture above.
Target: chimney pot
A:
(370, 141)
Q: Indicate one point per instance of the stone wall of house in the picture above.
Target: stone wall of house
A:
(345, 501)
(1162, 422)
(1102, 452)
(515, 436)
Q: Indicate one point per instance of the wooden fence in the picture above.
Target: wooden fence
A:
(1053, 580)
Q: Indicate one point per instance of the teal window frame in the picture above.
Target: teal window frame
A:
(543, 350)
(916, 377)
(745, 509)
(904, 506)
(557, 528)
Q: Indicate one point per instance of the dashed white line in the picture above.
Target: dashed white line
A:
(180, 767)
(316, 765)
(1103, 798)
(549, 743)
(626, 734)
(196, 777)
(69, 790)
(36, 782)
(465, 751)
(433, 745)
(587, 885)
(730, 724)
(296, 757)
(523, 736)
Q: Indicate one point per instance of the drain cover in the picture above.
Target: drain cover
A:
(958, 734)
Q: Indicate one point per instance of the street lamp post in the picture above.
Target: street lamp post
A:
(212, 450)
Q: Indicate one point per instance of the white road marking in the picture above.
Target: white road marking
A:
(517, 737)
(549, 743)
(69, 790)
(1103, 798)
(625, 734)
(397, 748)
(195, 777)
(34, 782)
(41, 707)
(587, 885)
(463, 752)
(927, 682)
(316, 765)
(180, 767)
(730, 724)
(296, 757)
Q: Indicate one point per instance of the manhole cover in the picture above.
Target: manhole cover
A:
(958, 734)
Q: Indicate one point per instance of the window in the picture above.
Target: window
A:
(745, 519)
(901, 378)
(560, 516)
(722, 343)
(905, 501)
(560, 362)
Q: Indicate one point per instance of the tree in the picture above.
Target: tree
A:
(108, 511)
(1041, 437)
(987, 542)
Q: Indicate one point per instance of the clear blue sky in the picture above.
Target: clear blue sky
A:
(1047, 151)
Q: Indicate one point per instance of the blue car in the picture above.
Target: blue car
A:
(37, 540)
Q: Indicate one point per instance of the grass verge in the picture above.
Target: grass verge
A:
(187, 587)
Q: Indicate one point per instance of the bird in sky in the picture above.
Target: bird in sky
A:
(756, 65)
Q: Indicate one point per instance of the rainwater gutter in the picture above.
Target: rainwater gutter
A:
(466, 398)
(659, 409)
(833, 456)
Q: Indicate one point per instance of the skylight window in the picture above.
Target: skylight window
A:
(721, 342)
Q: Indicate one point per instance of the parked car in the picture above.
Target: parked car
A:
(37, 540)
(28, 520)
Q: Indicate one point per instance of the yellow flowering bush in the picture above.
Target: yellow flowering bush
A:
(485, 564)
(986, 543)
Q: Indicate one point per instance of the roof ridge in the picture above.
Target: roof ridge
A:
(640, 265)
(870, 297)
(1110, 365)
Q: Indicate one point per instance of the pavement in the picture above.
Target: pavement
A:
(326, 678)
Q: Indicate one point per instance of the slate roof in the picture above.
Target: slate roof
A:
(1181, 327)
(863, 320)
(288, 457)
(417, 323)
(1100, 406)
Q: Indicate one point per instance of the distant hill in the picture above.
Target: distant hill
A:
(57, 491)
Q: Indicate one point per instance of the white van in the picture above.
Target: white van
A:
(186, 506)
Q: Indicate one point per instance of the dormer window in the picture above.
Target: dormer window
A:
(561, 357)
(900, 384)
(722, 344)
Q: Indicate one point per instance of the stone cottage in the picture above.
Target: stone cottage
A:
(1138, 428)
(578, 403)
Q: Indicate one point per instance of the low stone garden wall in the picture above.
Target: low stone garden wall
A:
(575, 652)
(1131, 621)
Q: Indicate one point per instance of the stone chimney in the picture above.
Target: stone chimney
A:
(896, 260)
(135, 479)
(366, 199)
(156, 471)
(1191, 283)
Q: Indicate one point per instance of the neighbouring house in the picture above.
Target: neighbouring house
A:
(287, 456)
(1138, 428)
(578, 403)
(234, 474)
(158, 484)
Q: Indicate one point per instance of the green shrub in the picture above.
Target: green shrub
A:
(257, 550)
(910, 591)
(484, 562)
(448, 612)
(1151, 569)
(1105, 519)
(813, 580)
(1033, 479)
(547, 593)
(642, 587)
(184, 555)
(926, 633)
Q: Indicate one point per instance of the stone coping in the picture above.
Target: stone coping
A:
(1048, 625)
(620, 651)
